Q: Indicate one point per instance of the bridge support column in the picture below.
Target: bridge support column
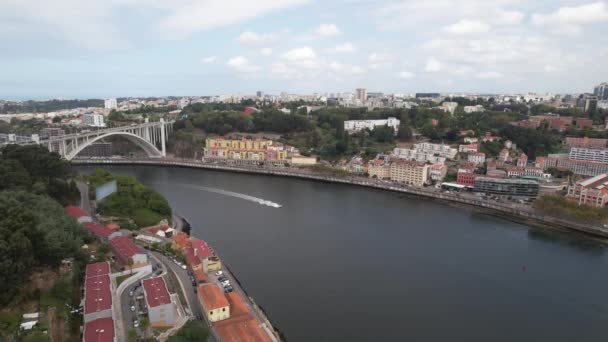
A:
(162, 137)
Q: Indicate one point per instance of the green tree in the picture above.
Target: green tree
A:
(192, 331)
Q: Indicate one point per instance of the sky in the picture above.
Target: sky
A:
(119, 48)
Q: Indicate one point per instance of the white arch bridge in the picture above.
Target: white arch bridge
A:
(149, 136)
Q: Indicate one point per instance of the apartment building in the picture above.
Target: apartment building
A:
(589, 154)
(592, 191)
(578, 167)
(358, 125)
(409, 172)
(477, 157)
(161, 310)
(379, 168)
(507, 187)
(245, 149)
(586, 142)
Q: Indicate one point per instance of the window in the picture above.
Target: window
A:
(223, 309)
(211, 313)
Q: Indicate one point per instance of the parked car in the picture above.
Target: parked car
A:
(135, 323)
(131, 293)
(132, 308)
(222, 278)
(226, 283)
(219, 273)
(228, 289)
(183, 266)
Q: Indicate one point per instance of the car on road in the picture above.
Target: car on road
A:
(132, 308)
(219, 273)
(131, 293)
(135, 323)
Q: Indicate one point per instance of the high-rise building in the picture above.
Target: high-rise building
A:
(361, 94)
(259, 93)
(110, 104)
(591, 103)
(94, 120)
(601, 91)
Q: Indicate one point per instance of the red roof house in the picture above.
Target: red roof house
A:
(201, 249)
(156, 292)
(97, 229)
(124, 248)
(99, 330)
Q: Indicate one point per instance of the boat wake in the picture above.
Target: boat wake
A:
(233, 194)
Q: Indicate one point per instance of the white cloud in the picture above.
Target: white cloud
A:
(489, 74)
(257, 39)
(503, 17)
(344, 47)
(345, 68)
(190, 16)
(328, 30)
(583, 14)
(379, 60)
(466, 26)
(432, 65)
(300, 54)
(242, 64)
(266, 51)
(208, 60)
(406, 74)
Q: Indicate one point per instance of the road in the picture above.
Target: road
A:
(85, 203)
(184, 281)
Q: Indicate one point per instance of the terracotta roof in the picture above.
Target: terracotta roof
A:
(99, 330)
(75, 211)
(201, 249)
(212, 297)
(125, 247)
(191, 259)
(97, 269)
(97, 229)
(200, 276)
(97, 294)
(113, 226)
(182, 240)
(237, 305)
(239, 330)
(156, 292)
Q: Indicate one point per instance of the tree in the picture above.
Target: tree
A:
(192, 331)
(130, 263)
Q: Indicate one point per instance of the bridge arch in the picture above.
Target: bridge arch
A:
(144, 144)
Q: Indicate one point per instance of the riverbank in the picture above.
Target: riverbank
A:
(517, 213)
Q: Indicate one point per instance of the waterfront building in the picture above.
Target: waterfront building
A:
(586, 142)
(352, 126)
(578, 167)
(181, 241)
(418, 155)
(302, 160)
(379, 168)
(161, 311)
(245, 149)
(507, 187)
(94, 120)
(214, 302)
(437, 172)
(409, 172)
(477, 157)
(527, 171)
(592, 191)
(466, 178)
(467, 148)
(241, 326)
(589, 154)
(124, 249)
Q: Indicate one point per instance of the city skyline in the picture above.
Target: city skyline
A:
(123, 48)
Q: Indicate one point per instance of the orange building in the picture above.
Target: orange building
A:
(181, 241)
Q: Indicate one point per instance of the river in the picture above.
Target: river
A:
(342, 263)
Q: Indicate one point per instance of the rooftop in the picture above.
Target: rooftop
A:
(99, 330)
(75, 211)
(507, 180)
(97, 229)
(182, 240)
(191, 259)
(97, 269)
(156, 292)
(212, 297)
(200, 276)
(598, 182)
(125, 246)
(97, 294)
(241, 330)
(201, 249)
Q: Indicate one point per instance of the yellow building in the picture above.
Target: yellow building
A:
(301, 160)
(212, 264)
(244, 149)
(214, 302)
(409, 172)
(378, 168)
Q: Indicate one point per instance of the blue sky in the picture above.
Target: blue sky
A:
(104, 48)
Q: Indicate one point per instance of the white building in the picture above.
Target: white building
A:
(419, 156)
(437, 149)
(589, 154)
(110, 104)
(449, 107)
(94, 120)
(477, 157)
(358, 125)
(467, 148)
(473, 109)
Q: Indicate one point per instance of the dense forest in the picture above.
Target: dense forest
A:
(34, 230)
(132, 200)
